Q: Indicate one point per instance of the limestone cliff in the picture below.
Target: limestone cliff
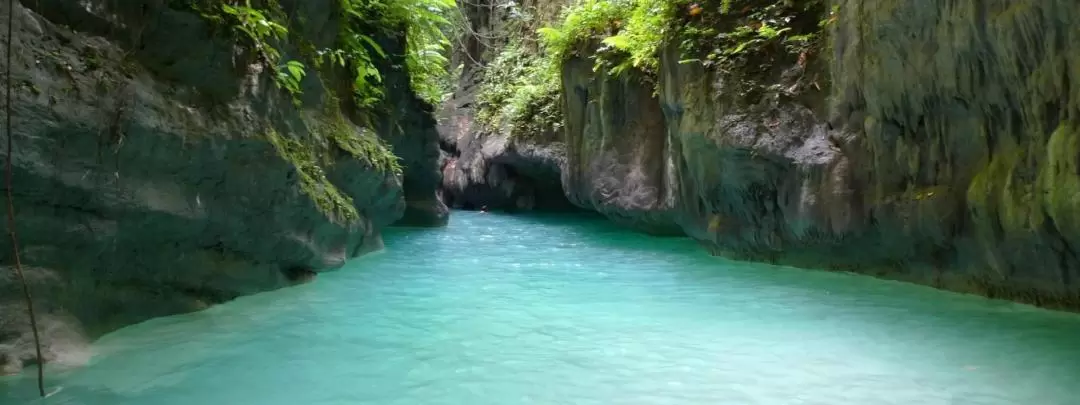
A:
(489, 165)
(158, 169)
(928, 142)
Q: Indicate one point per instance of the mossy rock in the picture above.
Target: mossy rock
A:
(1059, 180)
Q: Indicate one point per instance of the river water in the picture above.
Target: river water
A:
(505, 310)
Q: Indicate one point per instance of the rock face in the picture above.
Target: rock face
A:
(953, 163)
(155, 169)
(966, 151)
(617, 159)
(485, 169)
(410, 129)
(494, 169)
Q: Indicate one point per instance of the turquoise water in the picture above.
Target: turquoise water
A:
(569, 310)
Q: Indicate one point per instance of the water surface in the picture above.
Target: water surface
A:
(569, 310)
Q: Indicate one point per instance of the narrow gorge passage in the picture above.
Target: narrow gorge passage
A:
(566, 309)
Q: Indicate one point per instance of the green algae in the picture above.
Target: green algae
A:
(1059, 179)
(1006, 190)
(327, 197)
(360, 143)
(987, 112)
(958, 137)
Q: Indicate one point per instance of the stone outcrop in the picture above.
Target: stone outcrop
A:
(158, 169)
(932, 143)
(616, 163)
(484, 169)
(495, 169)
(966, 150)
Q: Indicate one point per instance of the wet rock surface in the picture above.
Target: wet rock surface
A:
(146, 181)
(951, 164)
(494, 168)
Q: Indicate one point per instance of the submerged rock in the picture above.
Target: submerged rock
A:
(159, 170)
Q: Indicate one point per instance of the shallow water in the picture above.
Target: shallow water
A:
(570, 310)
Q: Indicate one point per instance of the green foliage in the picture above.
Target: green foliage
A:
(357, 50)
(259, 27)
(752, 41)
(648, 22)
(289, 76)
(520, 87)
(263, 28)
(627, 34)
(364, 145)
(587, 20)
(752, 33)
(521, 90)
(424, 23)
(428, 45)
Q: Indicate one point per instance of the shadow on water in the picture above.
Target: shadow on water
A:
(961, 327)
(884, 321)
(139, 365)
(695, 265)
(911, 310)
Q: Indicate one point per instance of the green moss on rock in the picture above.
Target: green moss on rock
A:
(327, 197)
(360, 143)
(1059, 179)
(312, 157)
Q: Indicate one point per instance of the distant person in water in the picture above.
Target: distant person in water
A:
(483, 208)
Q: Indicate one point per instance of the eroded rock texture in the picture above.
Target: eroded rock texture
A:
(495, 169)
(146, 181)
(967, 149)
(935, 143)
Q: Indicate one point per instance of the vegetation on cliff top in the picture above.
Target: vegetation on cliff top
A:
(268, 28)
(520, 90)
(521, 85)
(624, 34)
(265, 25)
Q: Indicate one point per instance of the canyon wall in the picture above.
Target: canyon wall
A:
(490, 166)
(934, 143)
(158, 169)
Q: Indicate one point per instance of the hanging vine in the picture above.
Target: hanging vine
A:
(10, 199)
